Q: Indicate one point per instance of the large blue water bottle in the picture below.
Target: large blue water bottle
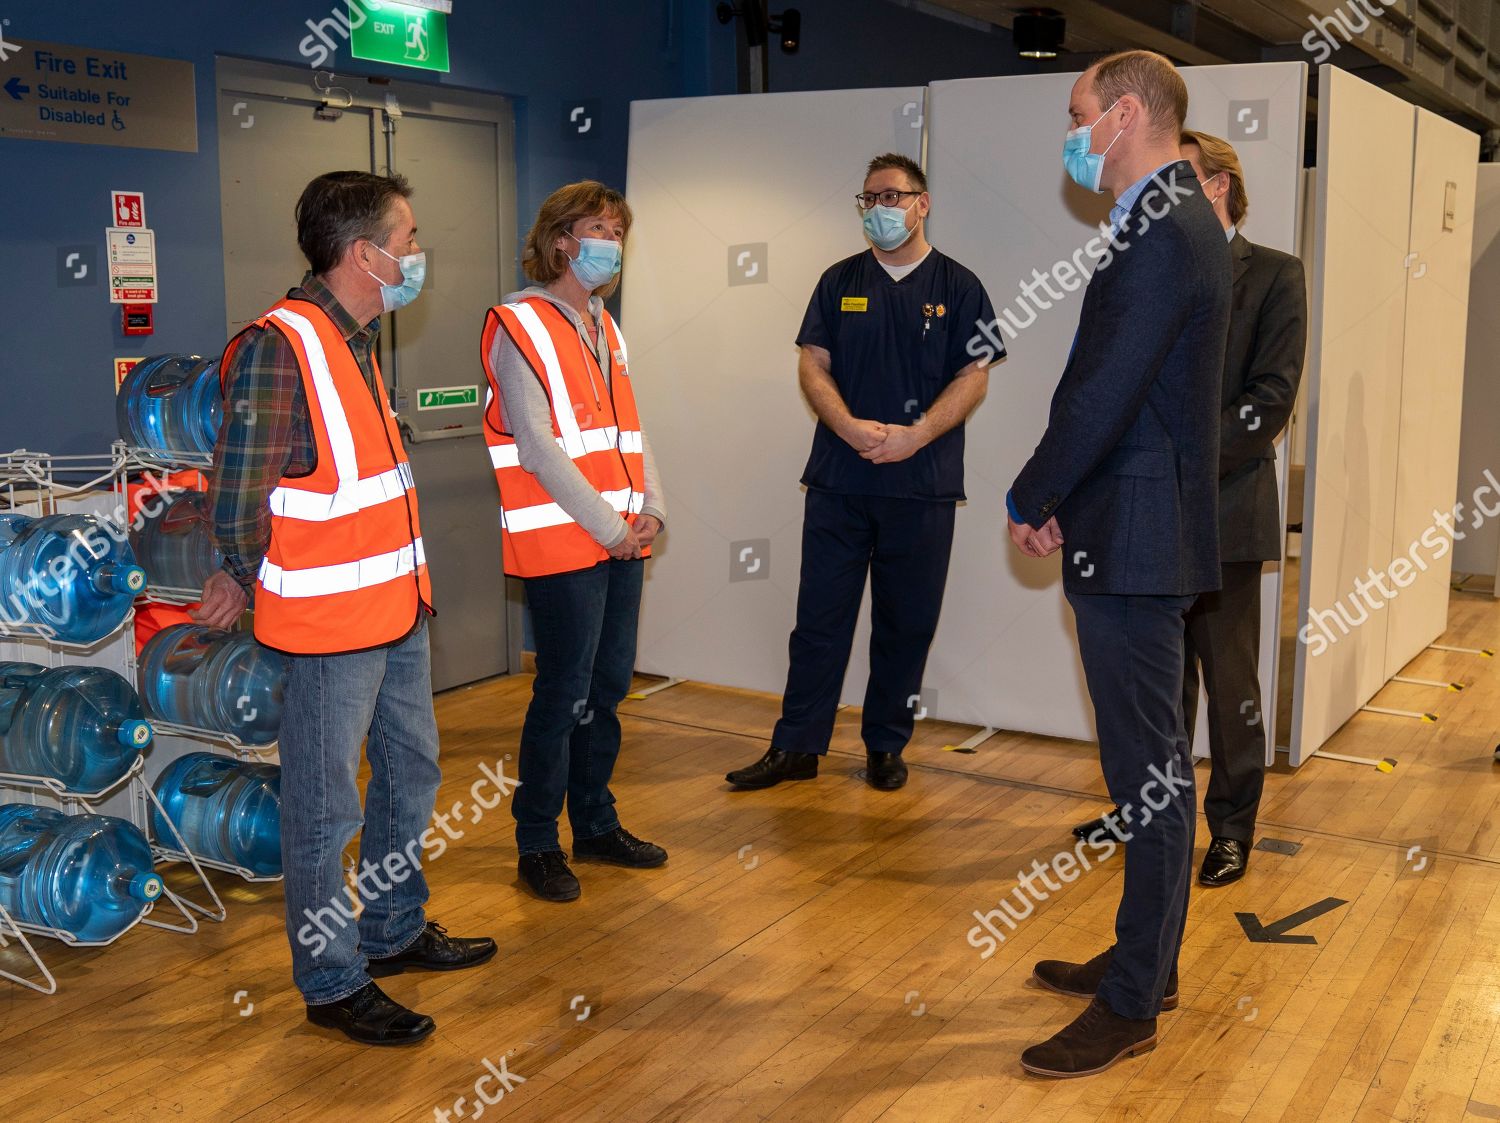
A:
(226, 811)
(89, 875)
(170, 404)
(67, 572)
(176, 545)
(208, 679)
(82, 726)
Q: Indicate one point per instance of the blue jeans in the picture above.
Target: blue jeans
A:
(331, 703)
(584, 624)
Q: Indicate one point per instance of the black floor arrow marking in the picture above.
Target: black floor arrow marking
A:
(1276, 932)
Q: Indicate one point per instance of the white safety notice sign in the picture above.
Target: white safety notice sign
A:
(132, 265)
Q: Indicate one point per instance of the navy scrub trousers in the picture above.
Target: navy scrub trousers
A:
(894, 347)
(904, 546)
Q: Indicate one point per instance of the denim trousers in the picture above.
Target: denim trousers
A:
(584, 625)
(332, 704)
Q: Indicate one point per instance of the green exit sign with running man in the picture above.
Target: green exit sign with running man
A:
(402, 34)
(448, 397)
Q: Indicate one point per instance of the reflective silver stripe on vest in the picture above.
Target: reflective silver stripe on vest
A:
(590, 440)
(543, 515)
(571, 438)
(344, 500)
(315, 506)
(624, 352)
(326, 580)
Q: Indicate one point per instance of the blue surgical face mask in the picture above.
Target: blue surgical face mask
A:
(886, 227)
(413, 273)
(1084, 167)
(597, 263)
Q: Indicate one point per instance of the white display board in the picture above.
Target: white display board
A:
(1358, 315)
(1006, 653)
(1479, 446)
(740, 203)
(1439, 261)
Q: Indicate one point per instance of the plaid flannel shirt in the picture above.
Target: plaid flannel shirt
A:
(266, 432)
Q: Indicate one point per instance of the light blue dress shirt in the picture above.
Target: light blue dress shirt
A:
(1128, 197)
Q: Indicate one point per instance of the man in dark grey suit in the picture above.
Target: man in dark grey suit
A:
(1127, 473)
(1262, 368)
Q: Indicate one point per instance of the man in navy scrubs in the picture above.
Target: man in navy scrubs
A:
(886, 364)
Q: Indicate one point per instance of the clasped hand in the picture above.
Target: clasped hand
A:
(1035, 543)
(637, 538)
(883, 444)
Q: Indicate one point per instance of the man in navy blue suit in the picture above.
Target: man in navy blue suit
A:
(1127, 475)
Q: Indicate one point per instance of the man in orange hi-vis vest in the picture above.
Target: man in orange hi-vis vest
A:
(315, 511)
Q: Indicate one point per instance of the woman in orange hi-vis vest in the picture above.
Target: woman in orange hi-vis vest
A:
(580, 505)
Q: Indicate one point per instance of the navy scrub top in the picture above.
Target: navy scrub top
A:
(896, 345)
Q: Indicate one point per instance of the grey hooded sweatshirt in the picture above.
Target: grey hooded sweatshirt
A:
(526, 413)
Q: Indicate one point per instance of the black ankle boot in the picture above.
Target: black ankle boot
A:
(548, 876)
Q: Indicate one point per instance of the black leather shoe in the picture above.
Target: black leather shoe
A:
(775, 767)
(1225, 861)
(548, 876)
(619, 848)
(1081, 980)
(1094, 1041)
(435, 950)
(370, 1017)
(1088, 830)
(885, 772)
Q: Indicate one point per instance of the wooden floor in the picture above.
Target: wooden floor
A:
(803, 955)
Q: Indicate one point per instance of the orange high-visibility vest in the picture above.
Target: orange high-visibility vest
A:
(595, 422)
(345, 570)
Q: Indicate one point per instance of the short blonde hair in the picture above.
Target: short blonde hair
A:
(541, 260)
(1150, 77)
(1218, 155)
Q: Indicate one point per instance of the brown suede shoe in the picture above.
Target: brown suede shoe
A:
(1094, 1041)
(1081, 980)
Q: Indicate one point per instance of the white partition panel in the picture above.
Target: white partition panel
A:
(1439, 255)
(1479, 447)
(1006, 654)
(1358, 310)
(740, 204)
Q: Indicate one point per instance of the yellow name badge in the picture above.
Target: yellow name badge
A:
(855, 304)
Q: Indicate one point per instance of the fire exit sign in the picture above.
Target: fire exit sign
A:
(448, 397)
(401, 34)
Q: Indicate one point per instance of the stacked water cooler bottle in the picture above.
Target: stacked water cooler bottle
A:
(214, 697)
(72, 734)
(177, 745)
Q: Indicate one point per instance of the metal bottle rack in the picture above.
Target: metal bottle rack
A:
(39, 484)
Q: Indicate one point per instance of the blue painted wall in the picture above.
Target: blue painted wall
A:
(56, 344)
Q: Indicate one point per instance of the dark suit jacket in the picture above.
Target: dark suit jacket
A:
(1129, 461)
(1262, 367)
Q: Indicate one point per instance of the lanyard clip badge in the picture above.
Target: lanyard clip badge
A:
(928, 312)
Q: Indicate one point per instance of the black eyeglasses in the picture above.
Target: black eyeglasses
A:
(867, 199)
